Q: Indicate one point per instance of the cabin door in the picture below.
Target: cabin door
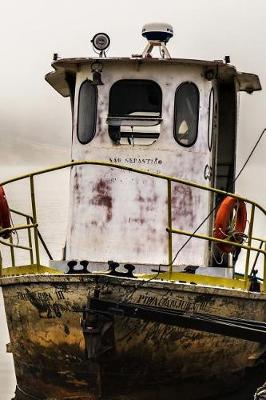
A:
(223, 146)
(226, 136)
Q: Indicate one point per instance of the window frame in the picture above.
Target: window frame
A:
(175, 114)
(136, 80)
(92, 135)
(211, 118)
(116, 113)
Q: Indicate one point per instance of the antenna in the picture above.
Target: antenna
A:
(157, 34)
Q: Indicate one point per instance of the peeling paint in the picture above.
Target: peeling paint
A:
(102, 196)
(183, 206)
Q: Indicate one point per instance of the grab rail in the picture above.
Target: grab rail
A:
(170, 229)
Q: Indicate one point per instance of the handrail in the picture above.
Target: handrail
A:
(216, 240)
(17, 228)
(27, 216)
(259, 239)
(140, 171)
(169, 229)
(18, 246)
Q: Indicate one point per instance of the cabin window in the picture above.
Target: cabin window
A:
(87, 111)
(186, 114)
(135, 109)
(210, 119)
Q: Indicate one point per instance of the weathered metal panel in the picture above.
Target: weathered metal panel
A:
(247, 82)
(121, 216)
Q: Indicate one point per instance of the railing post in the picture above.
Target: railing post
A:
(34, 218)
(12, 252)
(170, 243)
(1, 264)
(30, 241)
(250, 230)
(264, 269)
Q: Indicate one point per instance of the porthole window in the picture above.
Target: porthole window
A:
(186, 114)
(87, 112)
(210, 119)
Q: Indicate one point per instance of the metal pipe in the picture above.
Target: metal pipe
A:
(170, 243)
(257, 256)
(29, 218)
(12, 253)
(1, 265)
(20, 213)
(250, 229)
(139, 171)
(186, 233)
(259, 239)
(17, 246)
(17, 228)
(34, 217)
(30, 241)
(264, 269)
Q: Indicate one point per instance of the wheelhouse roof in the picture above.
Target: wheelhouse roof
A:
(63, 67)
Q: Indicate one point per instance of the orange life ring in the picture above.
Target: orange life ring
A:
(231, 212)
(4, 214)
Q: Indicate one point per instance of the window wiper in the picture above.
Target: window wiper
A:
(132, 120)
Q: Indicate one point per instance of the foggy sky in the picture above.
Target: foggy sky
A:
(32, 30)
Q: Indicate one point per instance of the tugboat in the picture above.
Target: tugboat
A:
(146, 300)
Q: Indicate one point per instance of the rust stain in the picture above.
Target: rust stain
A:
(76, 182)
(140, 220)
(102, 197)
(151, 201)
(77, 188)
(182, 205)
(146, 203)
(140, 198)
(151, 235)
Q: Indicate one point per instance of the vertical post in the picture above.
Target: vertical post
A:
(264, 270)
(250, 230)
(30, 242)
(34, 220)
(12, 251)
(1, 264)
(170, 244)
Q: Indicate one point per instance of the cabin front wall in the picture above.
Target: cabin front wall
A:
(122, 216)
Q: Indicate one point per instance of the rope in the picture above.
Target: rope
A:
(250, 155)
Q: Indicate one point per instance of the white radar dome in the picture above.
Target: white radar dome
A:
(158, 31)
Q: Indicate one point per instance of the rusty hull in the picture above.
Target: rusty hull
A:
(44, 312)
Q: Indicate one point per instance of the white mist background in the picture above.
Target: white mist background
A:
(35, 122)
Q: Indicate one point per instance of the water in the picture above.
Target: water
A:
(52, 208)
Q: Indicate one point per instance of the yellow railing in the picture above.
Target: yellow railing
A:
(32, 224)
